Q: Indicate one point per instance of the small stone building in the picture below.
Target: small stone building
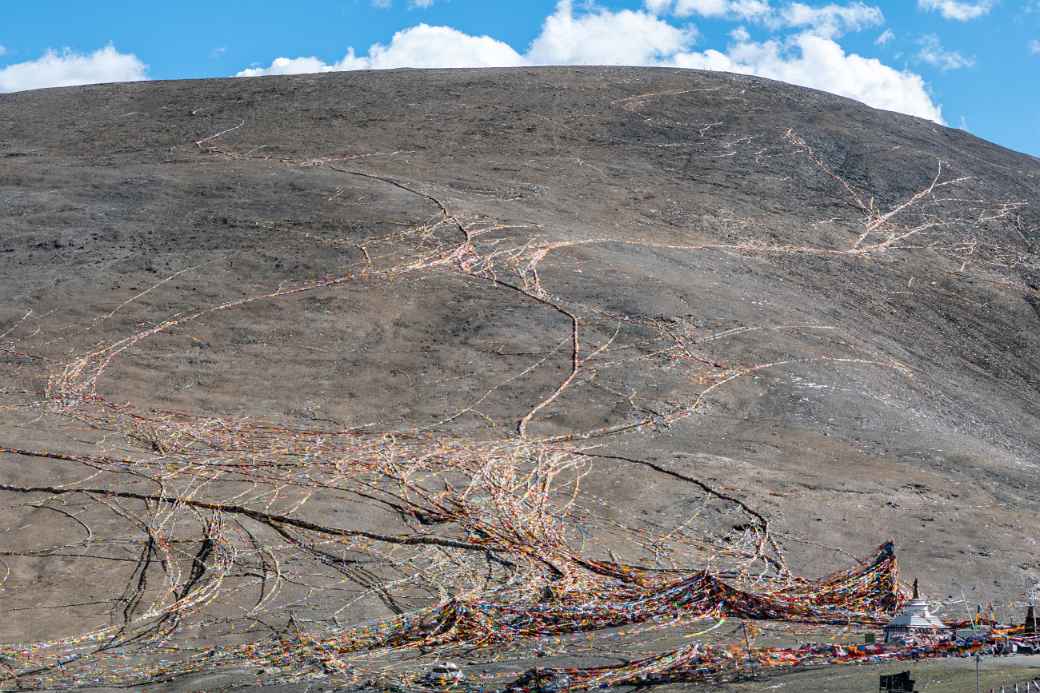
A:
(915, 619)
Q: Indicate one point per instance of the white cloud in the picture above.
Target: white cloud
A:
(740, 35)
(299, 66)
(716, 9)
(933, 53)
(598, 36)
(659, 6)
(419, 46)
(820, 63)
(830, 20)
(3, 50)
(961, 10)
(739, 9)
(704, 8)
(1034, 47)
(433, 46)
(68, 68)
(886, 37)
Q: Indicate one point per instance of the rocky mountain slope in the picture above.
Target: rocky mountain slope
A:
(284, 355)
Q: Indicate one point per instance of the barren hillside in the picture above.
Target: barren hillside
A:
(283, 356)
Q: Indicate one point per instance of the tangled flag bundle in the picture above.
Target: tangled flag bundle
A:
(859, 596)
(864, 595)
(867, 595)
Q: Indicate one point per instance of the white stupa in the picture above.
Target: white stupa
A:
(915, 618)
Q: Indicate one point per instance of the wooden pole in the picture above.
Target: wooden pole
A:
(970, 617)
(747, 642)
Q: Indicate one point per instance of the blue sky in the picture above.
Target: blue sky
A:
(969, 63)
